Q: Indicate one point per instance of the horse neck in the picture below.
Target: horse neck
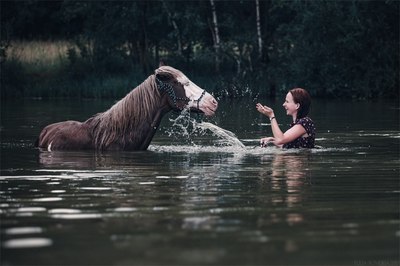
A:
(140, 104)
(143, 107)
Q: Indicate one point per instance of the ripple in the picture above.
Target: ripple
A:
(58, 191)
(84, 175)
(53, 183)
(182, 177)
(160, 208)
(80, 171)
(34, 242)
(255, 236)
(48, 199)
(77, 216)
(29, 177)
(23, 230)
(395, 135)
(194, 149)
(64, 210)
(237, 151)
(125, 209)
(96, 188)
(147, 183)
(31, 209)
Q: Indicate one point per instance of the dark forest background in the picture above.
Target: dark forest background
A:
(99, 49)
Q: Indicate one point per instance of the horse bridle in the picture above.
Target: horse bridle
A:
(165, 87)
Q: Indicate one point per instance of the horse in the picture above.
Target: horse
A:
(131, 123)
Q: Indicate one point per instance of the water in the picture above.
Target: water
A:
(204, 193)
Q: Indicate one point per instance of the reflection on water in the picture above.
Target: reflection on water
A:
(289, 174)
(200, 197)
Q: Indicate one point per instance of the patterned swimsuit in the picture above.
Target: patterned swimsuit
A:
(303, 142)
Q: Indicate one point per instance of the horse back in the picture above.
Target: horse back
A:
(68, 135)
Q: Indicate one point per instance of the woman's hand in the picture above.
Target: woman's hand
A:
(264, 141)
(265, 110)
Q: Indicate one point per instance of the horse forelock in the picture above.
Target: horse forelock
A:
(123, 118)
(178, 75)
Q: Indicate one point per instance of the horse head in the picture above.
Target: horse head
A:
(183, 93)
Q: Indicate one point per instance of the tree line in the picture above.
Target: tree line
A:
(332, 48)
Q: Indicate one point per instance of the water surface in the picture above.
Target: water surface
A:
(200, 197)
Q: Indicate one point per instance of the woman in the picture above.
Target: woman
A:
(301, 133)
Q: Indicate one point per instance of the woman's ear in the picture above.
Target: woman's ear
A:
(297, 105)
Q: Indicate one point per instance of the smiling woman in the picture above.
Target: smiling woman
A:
(302, 130)
(132, 122)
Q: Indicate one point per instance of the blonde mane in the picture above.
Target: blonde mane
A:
(122, 120)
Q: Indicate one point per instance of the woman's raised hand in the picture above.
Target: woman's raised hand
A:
(265, 110)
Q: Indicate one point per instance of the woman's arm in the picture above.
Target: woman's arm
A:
(290, 135)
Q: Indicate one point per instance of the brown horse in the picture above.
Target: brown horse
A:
(132, 122)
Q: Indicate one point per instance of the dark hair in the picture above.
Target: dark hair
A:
(302, 97)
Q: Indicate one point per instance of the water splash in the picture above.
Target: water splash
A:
(224, 134)
(206, 137)
(189, 131)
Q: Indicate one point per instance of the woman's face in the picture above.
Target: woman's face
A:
(289, 104)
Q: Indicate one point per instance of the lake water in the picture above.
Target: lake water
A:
(199, 196)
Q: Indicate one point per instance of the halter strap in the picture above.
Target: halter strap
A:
(199, 99)
(165, 87)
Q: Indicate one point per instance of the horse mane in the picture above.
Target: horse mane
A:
(123, 119)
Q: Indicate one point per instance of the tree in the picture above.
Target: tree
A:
(340, 48)
(171, 18)
(333, 48)
(215, 34)
(259, 37)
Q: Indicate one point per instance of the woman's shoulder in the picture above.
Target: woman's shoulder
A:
(305, 120)
(307, 123)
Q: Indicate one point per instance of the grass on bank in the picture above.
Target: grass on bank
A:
(45, 69)
(48, 69)
(39, 54)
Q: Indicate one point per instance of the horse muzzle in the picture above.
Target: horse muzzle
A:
(208, 105)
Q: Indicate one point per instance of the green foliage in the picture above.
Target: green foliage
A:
(342, 49)
(331, 48)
